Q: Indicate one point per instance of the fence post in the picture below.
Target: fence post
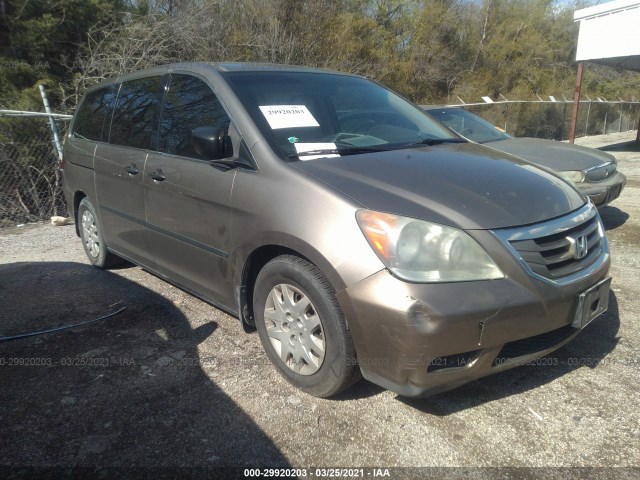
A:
(57, 145)
(506, 111)
(586, 123)
(52, 123)
(564, 120)
(539, 118)
(621, 112)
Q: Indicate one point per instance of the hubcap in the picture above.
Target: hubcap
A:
(90, 234)
(294, 329)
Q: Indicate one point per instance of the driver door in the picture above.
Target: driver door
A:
(186, 198)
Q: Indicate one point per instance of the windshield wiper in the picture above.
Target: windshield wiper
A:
(327, 151)
(342, 151)
(436, 141)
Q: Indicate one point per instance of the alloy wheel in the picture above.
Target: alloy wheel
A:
(90, 234)
(294, 329)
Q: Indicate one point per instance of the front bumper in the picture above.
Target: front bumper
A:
(421, 339)
(604, 192)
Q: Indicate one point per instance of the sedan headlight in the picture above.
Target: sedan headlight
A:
(576, 176)
(420, 251)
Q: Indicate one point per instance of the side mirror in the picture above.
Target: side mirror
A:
(210, 143)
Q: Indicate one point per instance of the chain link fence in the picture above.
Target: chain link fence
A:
(551, 119)
(30, 175)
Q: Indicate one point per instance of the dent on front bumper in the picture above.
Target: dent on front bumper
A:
(421, 339)
(604, 192)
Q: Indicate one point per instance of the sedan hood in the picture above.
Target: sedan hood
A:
(461, 185)
(558, 156)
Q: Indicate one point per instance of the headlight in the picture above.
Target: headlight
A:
(576, 176)
(420, 251)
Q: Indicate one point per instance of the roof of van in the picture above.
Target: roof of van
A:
(256, 67)
(219, 67)
(231, 67)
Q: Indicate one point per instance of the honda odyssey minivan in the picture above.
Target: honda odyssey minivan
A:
(355, 233)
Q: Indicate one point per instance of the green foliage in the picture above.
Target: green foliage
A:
(429, 50)
(39, 42)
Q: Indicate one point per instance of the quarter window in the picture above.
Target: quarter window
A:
(135, 121)
(94, 116)
(189, 104)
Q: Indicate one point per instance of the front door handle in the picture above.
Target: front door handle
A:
(157, 175)
(132, 169)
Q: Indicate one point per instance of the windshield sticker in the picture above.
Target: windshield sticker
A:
(288, 116)
(292, 139)
(316, 150)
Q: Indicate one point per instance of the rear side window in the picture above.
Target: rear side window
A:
(93, 117)
(135, 120)
(189, 104)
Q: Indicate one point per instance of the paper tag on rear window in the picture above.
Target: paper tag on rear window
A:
(301, 148)
(288, 116)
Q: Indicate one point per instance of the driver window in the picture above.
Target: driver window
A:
(189, 104)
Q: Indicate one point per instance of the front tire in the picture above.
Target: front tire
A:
(93, 237)
(302, 327)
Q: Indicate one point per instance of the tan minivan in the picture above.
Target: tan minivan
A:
(355, 232)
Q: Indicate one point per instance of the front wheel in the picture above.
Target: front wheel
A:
(302, 327)
(93, 237)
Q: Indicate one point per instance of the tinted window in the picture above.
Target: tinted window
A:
(135, 120)
(189, 104)
(94, 115)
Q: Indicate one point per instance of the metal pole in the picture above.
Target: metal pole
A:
(52, 123)
(576, 104)
(539, 119)
(506, 116)
(564, 119)
(586, 124)
(620, 122)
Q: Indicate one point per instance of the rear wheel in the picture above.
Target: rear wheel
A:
(93, 238)
(302, 327)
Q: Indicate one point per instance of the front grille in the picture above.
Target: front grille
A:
(555, 255)
(601, 172)
(527, 346)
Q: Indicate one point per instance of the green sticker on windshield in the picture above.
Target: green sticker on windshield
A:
(292, 139)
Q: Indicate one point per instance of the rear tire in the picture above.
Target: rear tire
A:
(302, 327)
(93, 238)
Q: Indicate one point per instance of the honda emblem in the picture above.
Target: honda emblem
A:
(578, 246)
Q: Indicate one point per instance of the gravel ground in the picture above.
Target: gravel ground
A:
(173, 382)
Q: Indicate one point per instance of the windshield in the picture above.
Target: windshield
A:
(305, 115)
(469, 125)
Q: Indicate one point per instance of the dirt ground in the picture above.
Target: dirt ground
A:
(173, 382)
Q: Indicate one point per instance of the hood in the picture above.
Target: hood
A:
(461, 185)
(558, 156)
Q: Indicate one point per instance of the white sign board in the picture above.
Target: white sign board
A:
(609, 30)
